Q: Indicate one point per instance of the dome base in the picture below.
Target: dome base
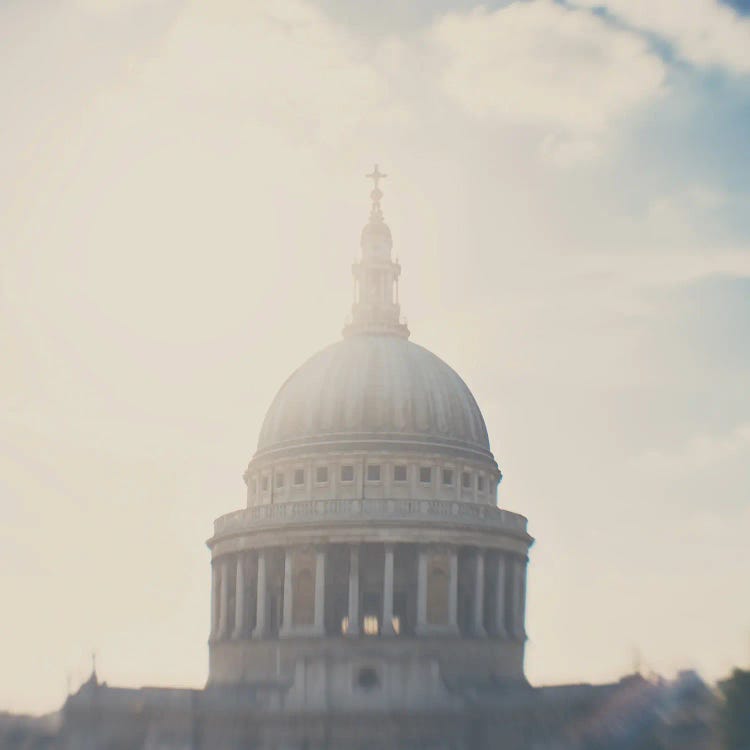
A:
(368, 674)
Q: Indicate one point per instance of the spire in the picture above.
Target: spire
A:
(93, 680)
(376, 308)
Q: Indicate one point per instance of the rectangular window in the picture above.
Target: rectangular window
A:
(299, 476)
(480, 483)
(425, 474)
(373, 472)
(321, 474)
(264, 484)
(448, 476)
(347, 473)
(399, 473)
(466, 480)
(254, 486)
(279, 479)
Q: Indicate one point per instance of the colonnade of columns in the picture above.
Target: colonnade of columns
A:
(398, 590)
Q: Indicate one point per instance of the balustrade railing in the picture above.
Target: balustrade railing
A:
(315, 511)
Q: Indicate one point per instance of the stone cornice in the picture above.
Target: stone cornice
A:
(375, 443)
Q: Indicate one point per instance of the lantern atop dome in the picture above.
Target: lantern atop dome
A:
(376, 307)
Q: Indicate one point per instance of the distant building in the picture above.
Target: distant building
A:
(371, 594)
(18, 732)
(632, 714)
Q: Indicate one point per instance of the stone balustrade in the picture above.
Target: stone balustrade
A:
(311, 512)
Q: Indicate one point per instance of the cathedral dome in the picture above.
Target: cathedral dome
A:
(372, 388)
(372, 555)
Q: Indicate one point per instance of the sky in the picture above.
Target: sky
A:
(182, 195)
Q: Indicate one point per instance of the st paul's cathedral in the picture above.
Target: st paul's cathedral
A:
(370, 593)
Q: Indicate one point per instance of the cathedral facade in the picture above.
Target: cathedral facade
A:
(370, 593)
(371, 565)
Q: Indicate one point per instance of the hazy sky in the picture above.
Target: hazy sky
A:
(181, 198)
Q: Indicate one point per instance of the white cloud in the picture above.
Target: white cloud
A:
(542, 63)
(680, 215)
(283, 64)
(567, 152)
(701, 452)
(703, 32)
(637, 271)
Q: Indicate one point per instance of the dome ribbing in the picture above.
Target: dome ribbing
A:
(374, 387)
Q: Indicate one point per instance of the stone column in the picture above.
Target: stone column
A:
(453, 590)
(387, 628)
(223, 599)
(287, 614)
(500, 598)
(421, 589)
(239, 599)
(387, 478)
(353, 628)
(519, 597)
(478, 622)
(260, 604)
(334, 475)
(309, 479)
(320, 590)
(214, 601)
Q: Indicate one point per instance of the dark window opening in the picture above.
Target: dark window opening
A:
(399, 473)
(367, 678)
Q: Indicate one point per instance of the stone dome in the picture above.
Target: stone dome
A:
(371, 556)
(371, 389)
